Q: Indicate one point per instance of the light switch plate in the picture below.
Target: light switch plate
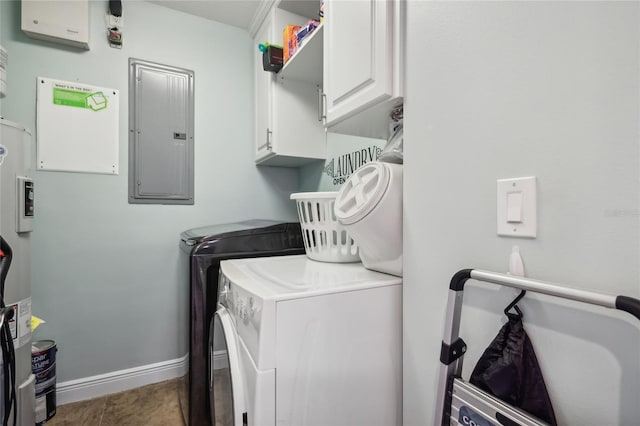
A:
(527, 186)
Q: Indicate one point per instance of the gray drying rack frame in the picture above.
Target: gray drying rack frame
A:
(453, 392)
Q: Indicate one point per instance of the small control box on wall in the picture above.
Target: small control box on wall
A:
(64, 22)
(25, 204)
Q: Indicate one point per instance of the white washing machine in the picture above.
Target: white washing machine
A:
(308, 343)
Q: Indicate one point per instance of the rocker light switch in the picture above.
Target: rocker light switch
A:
(514, 207)
(517, 206)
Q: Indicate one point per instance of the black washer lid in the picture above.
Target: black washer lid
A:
(197, 235)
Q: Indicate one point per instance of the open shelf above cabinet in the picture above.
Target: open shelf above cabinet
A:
(308, 8)
(306, 64)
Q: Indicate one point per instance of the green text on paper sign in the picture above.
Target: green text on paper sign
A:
(95, 101)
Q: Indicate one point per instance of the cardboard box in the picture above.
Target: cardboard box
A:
(289, 43)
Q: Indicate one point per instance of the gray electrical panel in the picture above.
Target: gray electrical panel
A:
(160, 134)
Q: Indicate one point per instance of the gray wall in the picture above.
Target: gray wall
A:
(509, 89)
(105, 273)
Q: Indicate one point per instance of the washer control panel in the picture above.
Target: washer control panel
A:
(242, 306)
(245, 309)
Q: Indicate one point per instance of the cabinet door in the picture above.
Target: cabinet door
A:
(264, 86)
(299, 136)
(358, 56)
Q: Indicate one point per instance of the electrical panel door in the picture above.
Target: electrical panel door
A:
(161, 134)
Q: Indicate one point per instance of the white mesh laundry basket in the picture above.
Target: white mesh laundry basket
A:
(324, 237)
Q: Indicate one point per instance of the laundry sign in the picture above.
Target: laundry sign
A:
(77, 127)
(341, 167)
(346, 154)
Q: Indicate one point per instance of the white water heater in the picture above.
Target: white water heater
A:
(16, 217)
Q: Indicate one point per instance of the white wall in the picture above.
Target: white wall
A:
(510, 89)
(105, 273)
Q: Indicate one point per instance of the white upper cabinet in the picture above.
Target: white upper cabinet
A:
(362, 61)
(345, 78)
(263, 83)
(289, 129)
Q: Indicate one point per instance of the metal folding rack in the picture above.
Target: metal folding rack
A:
(460, 402)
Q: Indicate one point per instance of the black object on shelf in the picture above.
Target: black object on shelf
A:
(272, 59)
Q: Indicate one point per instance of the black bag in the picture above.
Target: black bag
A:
(509, 370)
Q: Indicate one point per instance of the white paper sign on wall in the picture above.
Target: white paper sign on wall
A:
(77, 127)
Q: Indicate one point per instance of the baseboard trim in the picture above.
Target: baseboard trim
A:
(220, 360)
(118, 381)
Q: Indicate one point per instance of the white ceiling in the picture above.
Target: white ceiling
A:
(245, 14)
(238, 13)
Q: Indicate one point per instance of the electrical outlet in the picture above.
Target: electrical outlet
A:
(115, 21)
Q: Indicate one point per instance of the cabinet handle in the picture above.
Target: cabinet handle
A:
(269, 132)
(324, 107)
(319, 103)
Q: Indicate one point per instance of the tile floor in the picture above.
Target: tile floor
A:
(153, 405)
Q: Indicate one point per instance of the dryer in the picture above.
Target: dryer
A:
(307, 343)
